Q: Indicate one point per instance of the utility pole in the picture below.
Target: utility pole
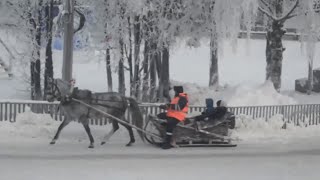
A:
(68, 41)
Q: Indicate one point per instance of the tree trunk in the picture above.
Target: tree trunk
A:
(48, 73)
(274, 49)
(137, 43)
(274, 54)
(145, 84)
(153, 71)
(37, 65)
(122, 86)
(132, 86)
(164, 85)
(32, 85)
(310, 77)
(158, 57)
(153, 81)
(108, 57)
(166, 77)
(214, 74)
(33, 26)
(121, 78)
(109, 72)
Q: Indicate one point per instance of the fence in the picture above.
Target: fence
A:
(307, 113)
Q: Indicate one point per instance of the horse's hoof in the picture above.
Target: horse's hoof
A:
(102, 143)
(52, 142)
(91, 146)
(129, 144)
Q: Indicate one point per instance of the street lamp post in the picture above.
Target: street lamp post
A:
(68, 41)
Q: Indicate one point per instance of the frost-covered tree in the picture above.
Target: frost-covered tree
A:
(123, 27)
(25, 21)
(24, 18)
(278, 12)
(216, 21)
(116, 29)
(310, 31)
(159, 24)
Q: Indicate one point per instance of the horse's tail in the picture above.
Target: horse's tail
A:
(136, 115)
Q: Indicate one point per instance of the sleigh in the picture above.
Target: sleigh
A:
(192, 133)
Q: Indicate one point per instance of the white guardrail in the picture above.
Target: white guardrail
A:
(300, 113)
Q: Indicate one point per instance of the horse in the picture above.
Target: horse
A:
(112, 103)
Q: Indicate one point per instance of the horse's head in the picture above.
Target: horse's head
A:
(59, 89)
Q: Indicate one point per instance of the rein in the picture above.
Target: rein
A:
(103, 105)
(96, 99)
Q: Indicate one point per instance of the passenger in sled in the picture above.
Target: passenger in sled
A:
(216, 115)
(212, 113)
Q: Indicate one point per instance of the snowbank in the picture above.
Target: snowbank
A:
(264, 94)
(258, 130)
(40, 126)
(30, 125)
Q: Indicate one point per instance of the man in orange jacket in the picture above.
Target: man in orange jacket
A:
(176, 112)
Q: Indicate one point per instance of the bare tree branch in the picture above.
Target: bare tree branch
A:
(267, 5)
(126, 67)
(7, 48)
(17, 11)
(304, 13)
(288, 15)
(141, 69)
(8, 25)
(126, 51)
(8, 68)
(267, 13)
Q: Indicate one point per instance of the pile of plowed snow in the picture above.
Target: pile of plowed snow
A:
(264, 94)
(30, 125)
(247, 130)
(260, 130)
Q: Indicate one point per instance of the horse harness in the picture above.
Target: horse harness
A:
(90, 99)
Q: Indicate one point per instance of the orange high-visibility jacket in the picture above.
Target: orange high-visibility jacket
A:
(179, 114)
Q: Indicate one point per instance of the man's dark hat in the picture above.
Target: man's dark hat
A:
(178, 89)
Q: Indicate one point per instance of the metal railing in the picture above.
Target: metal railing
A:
(306, 113)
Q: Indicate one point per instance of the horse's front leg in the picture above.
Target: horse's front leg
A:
(62, 125)
(85, 123)
(87, 128)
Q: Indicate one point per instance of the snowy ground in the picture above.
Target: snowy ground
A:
(25, 154)
(265, 151)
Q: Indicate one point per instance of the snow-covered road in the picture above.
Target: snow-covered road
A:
(264, 152)
(36, 160)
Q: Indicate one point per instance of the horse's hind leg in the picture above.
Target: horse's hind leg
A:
(62, 125)
(115, 127)
(132, 140)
